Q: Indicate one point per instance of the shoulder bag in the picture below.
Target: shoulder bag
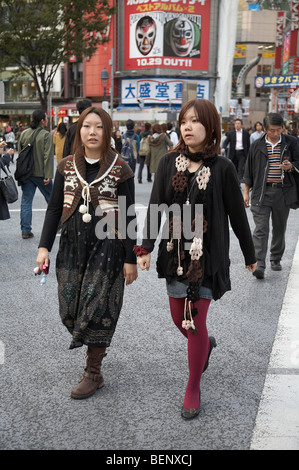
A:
(25, 161)
(8, 188)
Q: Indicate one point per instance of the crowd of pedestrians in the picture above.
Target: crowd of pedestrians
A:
(97, 164)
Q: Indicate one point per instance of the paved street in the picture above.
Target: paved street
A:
(146, 367)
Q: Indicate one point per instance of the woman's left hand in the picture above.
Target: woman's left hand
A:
(130, 273)
(251, 267)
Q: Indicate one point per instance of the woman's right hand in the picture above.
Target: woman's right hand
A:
(42, 258)
(144, 261)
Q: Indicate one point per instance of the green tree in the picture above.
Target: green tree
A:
(37, 37)
(282, 5)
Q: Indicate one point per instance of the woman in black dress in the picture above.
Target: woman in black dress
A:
(95, 254)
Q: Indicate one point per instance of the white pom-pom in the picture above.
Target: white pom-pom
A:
(86, 218)
(82, 209)
(169, 246)
(187, 324)
(179, 271)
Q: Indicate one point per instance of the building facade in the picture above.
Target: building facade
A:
(159, 53)
(270, 31)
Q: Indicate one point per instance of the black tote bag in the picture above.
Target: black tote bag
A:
(9, 188)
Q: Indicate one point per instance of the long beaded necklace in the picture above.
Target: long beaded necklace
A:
(194, 177)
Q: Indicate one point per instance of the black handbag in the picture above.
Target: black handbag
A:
(25, 161)
(8, 188)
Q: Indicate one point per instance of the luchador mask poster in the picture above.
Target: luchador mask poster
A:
(167, 34)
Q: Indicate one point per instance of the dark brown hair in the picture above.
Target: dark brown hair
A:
(156, 128)
(37, 116)
(208, 116)
(107, 132)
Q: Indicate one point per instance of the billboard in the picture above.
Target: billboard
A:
(159, 91)
(172, 34)
(277, 81)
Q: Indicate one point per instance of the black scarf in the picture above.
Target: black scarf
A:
(194, 157)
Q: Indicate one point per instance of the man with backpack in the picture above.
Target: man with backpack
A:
(43, 152)
(130, 145)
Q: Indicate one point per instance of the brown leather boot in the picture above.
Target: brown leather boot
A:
(92, 378)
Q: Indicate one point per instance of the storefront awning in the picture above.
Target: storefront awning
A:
(136, 114)
(17, 108)
(70, 109)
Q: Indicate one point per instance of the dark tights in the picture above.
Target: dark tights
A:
(198, 345)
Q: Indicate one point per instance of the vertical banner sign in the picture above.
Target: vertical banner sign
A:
(172, 34)
(295, 15)
(280, 20)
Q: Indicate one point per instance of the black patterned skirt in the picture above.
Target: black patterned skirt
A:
(90, 282)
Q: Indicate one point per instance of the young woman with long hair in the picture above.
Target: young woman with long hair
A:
(91, 264)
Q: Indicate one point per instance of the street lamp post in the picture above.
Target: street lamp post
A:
(112, 83)
(104, 80)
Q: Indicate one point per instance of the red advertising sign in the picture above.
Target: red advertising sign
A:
(172, 34)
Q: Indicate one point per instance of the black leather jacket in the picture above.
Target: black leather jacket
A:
(256, 169)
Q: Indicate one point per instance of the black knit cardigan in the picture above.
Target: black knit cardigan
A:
(223, 205)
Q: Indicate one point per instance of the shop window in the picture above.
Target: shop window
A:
(76, 80)
(263, 71)
(20, 90)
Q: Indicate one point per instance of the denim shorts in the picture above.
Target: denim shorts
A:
(178, 290)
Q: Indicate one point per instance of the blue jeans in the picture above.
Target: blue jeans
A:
(28, 191)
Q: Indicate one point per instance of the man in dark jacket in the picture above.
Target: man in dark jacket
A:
(239, 143)
(268, 173)
(70, 135)
(130, 134)
(144, 134)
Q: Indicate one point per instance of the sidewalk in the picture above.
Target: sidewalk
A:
(277, 421)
